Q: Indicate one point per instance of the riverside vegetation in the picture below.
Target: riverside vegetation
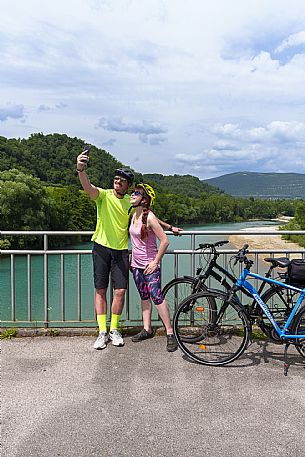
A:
(39, 190)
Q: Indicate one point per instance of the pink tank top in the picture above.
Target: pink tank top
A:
(143, 251)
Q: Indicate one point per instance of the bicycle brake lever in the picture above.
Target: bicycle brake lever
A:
(221, 243)
(202, 246)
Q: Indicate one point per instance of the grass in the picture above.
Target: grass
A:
(53, 332)
(8, 334)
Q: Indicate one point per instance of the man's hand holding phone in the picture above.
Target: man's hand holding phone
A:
(86, 150)
(82, 159)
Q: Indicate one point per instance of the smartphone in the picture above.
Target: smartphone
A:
(86, 149)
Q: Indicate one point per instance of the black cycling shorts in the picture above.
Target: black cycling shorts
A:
(106, 262)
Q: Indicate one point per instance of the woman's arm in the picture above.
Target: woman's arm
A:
(153, 224)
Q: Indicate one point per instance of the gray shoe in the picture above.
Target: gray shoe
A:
(171, 343)
(101, 341)
(116, 338)
(142, 335)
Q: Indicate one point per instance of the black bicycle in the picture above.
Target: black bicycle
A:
(279, 299)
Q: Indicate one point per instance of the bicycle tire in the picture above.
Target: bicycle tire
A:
(280, 301)
(225, 333)
(178, 290)
(299, 327)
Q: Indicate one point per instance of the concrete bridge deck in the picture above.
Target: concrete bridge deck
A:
(62, 398)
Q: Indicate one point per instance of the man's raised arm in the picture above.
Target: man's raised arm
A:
(81, 164)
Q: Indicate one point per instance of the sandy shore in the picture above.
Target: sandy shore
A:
(272, 242)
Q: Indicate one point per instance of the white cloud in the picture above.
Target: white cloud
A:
(293, 40)
(277, 146)
(275, 131)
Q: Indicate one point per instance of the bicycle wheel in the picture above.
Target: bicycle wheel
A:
(299, 328)
(224, 332)
(178, 290)
(280, 301)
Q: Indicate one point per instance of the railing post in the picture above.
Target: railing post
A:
(176, 263)
(193, 245)
(29, 275)
(79, 311)
(127, 300)
(45, 273)
(13, 286)
(62, 287)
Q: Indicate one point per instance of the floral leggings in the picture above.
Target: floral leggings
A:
(149, 286)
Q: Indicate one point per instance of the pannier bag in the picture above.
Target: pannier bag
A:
(296, 272)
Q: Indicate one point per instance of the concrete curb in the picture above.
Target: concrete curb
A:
(55, 332)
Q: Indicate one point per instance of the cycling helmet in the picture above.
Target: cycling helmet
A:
(126, 173)
(149, 191)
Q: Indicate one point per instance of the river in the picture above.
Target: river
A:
(87, 290)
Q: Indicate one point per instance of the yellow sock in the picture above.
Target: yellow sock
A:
(101, 320)
(114, 321)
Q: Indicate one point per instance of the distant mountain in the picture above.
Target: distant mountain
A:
(261, 185)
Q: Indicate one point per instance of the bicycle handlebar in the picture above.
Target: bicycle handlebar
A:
(211, 245)
(241, 255)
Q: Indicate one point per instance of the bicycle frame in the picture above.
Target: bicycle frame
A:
(210, 272)
(284, 332)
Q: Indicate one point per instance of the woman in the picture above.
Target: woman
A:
(145, 262)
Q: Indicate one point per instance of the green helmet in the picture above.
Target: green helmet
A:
(149, 191)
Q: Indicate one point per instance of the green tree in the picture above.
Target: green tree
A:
(24, 203)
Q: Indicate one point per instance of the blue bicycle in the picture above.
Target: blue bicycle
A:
(214, 328)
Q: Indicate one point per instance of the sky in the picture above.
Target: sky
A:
(166, 86)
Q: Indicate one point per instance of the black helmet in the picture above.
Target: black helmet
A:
(127, 174)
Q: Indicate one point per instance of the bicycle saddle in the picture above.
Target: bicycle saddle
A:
(189, 277)
(281, 262)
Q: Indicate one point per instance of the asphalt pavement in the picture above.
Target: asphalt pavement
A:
(60, 397)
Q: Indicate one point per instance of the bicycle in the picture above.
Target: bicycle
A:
(279, 299)
(227, 330)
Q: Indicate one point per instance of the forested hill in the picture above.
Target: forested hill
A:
(52, 159)
(261, 185)
(186, 184)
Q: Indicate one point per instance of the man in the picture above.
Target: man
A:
(110, 249)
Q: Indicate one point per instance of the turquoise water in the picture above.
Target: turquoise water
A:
(133, 313)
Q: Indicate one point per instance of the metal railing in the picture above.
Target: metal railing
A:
(14, 278)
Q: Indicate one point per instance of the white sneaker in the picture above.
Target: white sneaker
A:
(116, 338)
(101, 341)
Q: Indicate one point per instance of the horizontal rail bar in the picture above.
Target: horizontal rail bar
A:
(183, 232)
(174, 251)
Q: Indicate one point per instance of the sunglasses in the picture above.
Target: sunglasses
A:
(119, 178)
(137, 192)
